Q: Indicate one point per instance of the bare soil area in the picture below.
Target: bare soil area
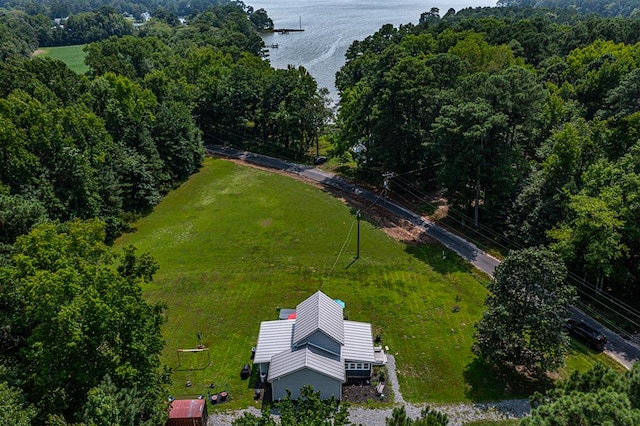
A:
(359, 393)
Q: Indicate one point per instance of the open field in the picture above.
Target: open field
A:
(234, 243)
(73, 56)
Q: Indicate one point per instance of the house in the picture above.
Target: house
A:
(315, 347)
(187, 412)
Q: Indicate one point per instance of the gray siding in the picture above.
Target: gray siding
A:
(323, 341)
(327, 386)
(358, 374)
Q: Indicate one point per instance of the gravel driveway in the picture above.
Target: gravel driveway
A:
(458, 414)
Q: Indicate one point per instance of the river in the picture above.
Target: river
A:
(330, 26)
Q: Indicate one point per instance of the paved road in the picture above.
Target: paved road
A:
(620, 349)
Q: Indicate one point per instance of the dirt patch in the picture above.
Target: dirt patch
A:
(38, 52)
(359, 393)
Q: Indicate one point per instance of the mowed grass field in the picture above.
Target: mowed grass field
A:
(234, 243)
(73, 56)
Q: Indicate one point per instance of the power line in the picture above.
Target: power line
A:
(416, 192)
(459, 217)
(618, 303)
(510, 245)
(455, 219)
(342, 249)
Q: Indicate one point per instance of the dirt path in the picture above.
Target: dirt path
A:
(393, 378)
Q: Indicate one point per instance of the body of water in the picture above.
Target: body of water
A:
(330, 26)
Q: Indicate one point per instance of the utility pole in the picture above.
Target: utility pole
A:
(385, 183)
(358, 215)
(358, 243)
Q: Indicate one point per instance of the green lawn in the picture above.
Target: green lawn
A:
(235, 243)
(73, 56)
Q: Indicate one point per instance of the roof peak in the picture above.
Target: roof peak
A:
(319, 313)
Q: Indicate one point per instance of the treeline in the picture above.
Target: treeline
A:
(528, 123)
(78, 148)
(21, 33)
(81, 156)
(630, 8)
(109, 144)
(63, 8)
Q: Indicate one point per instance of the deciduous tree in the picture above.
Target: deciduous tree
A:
(523, 325)
(78, 319)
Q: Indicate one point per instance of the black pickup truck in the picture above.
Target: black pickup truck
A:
(587, 335)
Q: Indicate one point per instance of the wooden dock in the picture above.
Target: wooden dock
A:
(286, 30)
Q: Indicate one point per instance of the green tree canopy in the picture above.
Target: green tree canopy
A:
(523, 325)
(308, 410)
(76, 319)
(599, 396)
(428, 417)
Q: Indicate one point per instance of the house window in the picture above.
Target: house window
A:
(358, 366)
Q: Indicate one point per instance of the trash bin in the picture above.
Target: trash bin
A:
(245, 373)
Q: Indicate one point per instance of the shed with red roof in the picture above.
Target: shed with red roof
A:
(188, 412)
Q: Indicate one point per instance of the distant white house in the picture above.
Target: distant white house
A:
(145, 16)
(317, 347)
(59, 22)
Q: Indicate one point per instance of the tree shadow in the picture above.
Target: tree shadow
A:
(441, 259)
(419, 245)
(254, 380)
(487, 382)
(364, 176)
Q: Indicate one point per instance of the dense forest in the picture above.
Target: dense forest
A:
(63, 8)
(21, 32)
(609, 8)
(81, 156)
(527, 118)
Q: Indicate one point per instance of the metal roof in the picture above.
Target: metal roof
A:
(186, 408)
(358, 342)
(274, 338)
(288, 362)
(319, 312)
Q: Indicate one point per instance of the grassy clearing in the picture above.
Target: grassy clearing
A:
(582, 358)
(234, 243)
(73, 56)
